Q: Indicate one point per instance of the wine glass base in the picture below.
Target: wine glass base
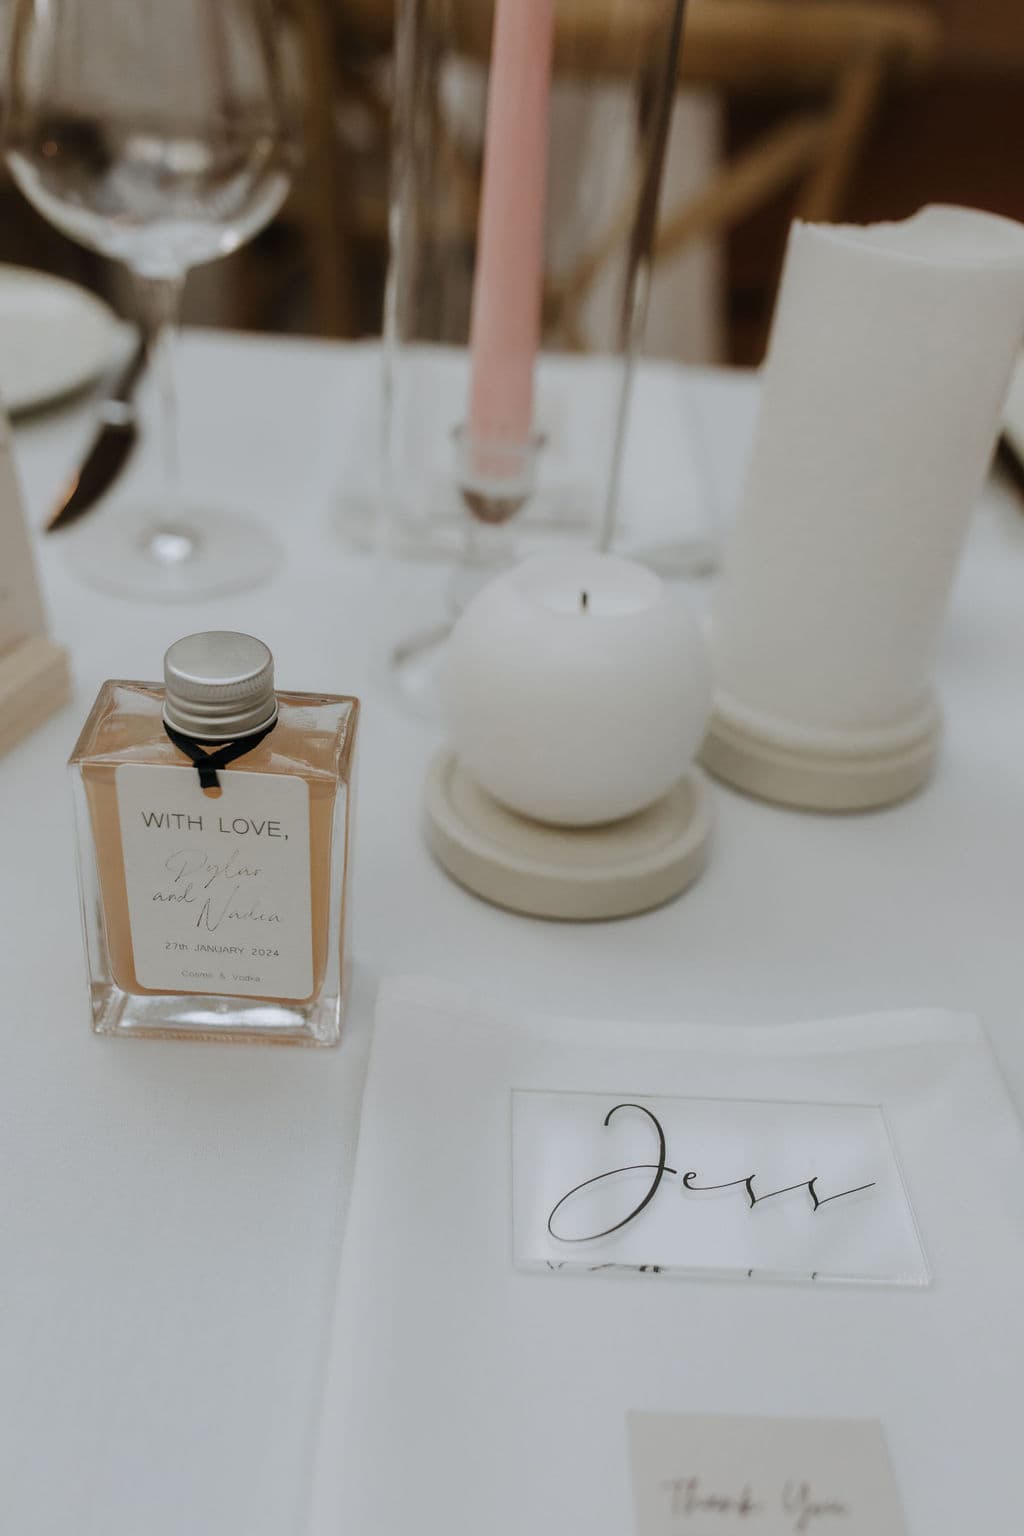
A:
(686, 560)
(139, 552)
(432, 599)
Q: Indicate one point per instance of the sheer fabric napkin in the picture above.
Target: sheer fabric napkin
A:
(466, 1396)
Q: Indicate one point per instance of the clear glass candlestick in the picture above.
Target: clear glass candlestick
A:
(470, 171)
(496, 481)
(155, 134)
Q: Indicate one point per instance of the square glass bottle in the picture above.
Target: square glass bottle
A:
(213, 819)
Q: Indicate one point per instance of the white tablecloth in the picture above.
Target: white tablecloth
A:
(170, 1214)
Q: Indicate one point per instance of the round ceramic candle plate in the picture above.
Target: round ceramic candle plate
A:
(576, 873)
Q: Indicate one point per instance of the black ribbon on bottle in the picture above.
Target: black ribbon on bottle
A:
(207, 763)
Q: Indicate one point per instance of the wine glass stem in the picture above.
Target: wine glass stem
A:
(488, 546)
(171, 540)
(487, 550)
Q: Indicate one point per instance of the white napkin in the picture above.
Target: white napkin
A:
(889, 361)
(465, 1396)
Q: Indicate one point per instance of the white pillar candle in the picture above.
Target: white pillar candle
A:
(577, 688)
(888, 365)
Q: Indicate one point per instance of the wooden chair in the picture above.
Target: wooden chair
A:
(843, 53)
(832, 60)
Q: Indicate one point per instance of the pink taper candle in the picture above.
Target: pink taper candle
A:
(507, 288)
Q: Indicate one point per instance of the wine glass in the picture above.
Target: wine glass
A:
(155, 132)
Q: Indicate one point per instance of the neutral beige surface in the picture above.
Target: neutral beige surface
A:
(34, 682)
(21, 609)
(33, 671)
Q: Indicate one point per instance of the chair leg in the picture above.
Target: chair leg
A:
(329, 249)
(852, 111)
(749, 182)
(733, 193)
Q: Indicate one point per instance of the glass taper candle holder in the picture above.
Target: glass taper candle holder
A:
(214, 906)
(523, 212)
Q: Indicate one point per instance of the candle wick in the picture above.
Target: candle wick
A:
(584, 601)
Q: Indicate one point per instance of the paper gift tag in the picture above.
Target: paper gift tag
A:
(697, 1474)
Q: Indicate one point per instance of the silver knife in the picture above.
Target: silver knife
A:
(109, 450)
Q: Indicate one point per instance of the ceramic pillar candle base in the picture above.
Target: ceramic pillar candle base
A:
(574, 873)
(821, 770)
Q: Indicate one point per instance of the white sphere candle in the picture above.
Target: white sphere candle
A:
(577, 688)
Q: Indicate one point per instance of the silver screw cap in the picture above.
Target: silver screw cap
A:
(219, 685)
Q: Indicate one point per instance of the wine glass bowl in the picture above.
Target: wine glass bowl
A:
(161, 205)
(156, 134)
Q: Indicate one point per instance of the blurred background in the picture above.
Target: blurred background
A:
(859, 109)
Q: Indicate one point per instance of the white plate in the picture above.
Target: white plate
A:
(54, 337)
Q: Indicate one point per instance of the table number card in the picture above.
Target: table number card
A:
(766, 1189)
(702, 1475)
(33, 670)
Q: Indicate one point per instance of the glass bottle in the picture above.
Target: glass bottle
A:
(213, 818)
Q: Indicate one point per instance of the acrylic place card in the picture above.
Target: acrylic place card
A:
(765, 1189)
(697, 1474)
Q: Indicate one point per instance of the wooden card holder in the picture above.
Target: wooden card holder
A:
(34, 680)
(34, 683)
